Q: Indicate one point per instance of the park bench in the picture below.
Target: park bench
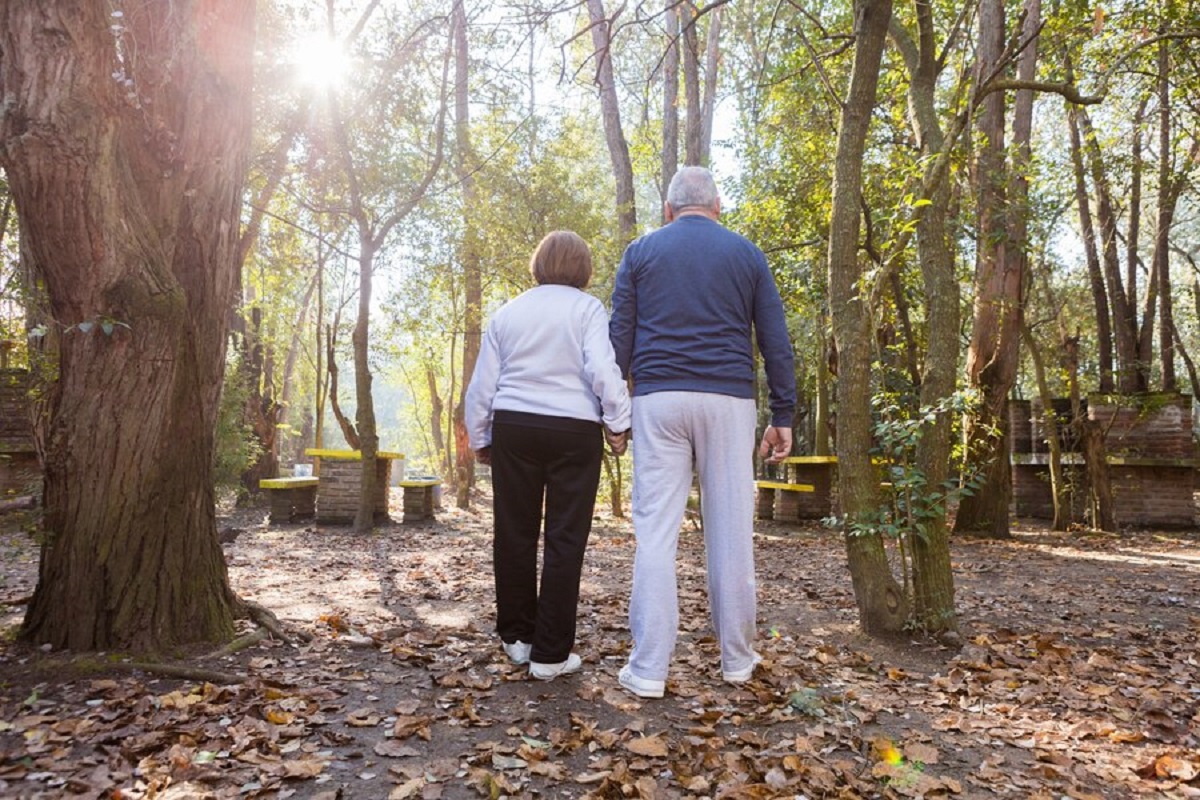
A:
(418, 498)
(804, 492)
(780, 500)
(291, 498)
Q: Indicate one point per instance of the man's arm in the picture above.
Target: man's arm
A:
(623, 320)
(774, 342)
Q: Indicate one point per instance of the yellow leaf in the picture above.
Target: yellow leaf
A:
(277, 717)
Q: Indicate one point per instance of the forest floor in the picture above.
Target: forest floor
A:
(1079, 677)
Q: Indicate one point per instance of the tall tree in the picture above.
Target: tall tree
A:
(610, 111)
(999, 284)
(464, 168)
(125, 139)
(882, 606)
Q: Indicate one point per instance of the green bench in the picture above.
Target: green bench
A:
(291, 498)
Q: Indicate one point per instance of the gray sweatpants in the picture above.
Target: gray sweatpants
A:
(671, 431)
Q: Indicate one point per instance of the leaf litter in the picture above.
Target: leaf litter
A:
(1077, 677)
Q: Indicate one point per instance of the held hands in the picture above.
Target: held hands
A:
(776, 444)
(617, 442)
(484, 456)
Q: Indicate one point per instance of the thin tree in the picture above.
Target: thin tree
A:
(882, 605)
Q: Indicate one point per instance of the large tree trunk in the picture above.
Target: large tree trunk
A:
(464, 457)
(694, 124)
(882, 605)
(610, 111)
(995, 334)
(129, 199)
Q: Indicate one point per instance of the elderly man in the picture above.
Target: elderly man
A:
(688, 299)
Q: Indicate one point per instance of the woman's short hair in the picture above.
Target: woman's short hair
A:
(562, 258)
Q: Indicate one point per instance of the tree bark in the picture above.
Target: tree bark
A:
(1123, 312)
(464, 457)
(882, 605)
(712, 61)
(1087, 228)
(610, 111)
(933, 576)
(694, 127)
(1058, 488)
(670, 130)
(999, 279)
(129, 195)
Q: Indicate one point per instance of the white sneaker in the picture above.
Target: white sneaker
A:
(742, 675)
(518, 651)
(548, 672)
(642, 687)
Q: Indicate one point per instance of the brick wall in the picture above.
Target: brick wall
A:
(1154, 433)
(337, 494)
(20, 472)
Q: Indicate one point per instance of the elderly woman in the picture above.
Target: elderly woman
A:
(545, 394)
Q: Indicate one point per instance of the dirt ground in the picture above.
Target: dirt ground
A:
(1078, 677)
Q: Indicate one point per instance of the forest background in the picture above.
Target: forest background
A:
(961, 203)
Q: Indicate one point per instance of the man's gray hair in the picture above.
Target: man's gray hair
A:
(692, 187)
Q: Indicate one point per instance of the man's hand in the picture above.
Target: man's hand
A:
(776, 444)
(484, 456)
(617, 442)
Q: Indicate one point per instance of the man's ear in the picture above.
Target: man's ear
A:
(717, 207)
(668, 212)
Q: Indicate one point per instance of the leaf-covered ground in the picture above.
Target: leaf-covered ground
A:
(1078, 677)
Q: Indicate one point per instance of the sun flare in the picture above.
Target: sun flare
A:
(319, 62)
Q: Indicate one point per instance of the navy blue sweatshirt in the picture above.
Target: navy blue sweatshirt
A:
(686, 299)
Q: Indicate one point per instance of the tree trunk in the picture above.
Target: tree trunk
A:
(1123, 312)
(1162, 229)
(129, 198)
(694, 126)
(1058, 487)
(436, 407)
(1087, 228)
(882, 605)
(464, 457)
(364, 412)
(712, 60)
(610, 111)
(670, 131)
(995, 334)
(933, 577)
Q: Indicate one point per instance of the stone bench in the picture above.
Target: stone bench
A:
(291, 498)
(779, 500)
(418, 498)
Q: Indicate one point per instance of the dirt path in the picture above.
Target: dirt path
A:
(1078, 678)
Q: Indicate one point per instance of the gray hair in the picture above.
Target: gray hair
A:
(692, 187)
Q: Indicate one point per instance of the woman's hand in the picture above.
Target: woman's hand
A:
(617, 442)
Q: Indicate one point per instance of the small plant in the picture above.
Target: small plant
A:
(911, 506)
